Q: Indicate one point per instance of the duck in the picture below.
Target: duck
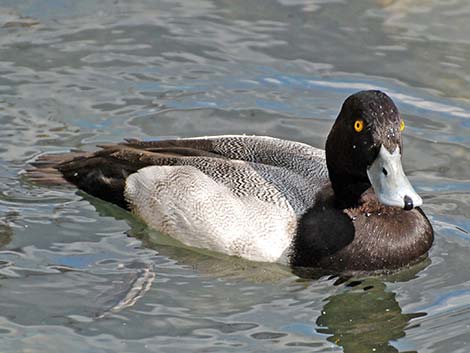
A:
(349, 207)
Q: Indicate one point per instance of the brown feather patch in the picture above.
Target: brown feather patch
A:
(44, 169)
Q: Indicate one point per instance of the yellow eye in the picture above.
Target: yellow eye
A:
(358, 125)
(402, 125)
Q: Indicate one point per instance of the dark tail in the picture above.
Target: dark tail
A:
(97, 173)
(44, 170)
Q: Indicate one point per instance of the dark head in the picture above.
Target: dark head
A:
(364, 148)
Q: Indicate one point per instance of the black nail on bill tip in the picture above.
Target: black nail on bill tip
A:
(408, 203)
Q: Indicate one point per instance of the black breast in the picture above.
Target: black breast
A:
(367, 238)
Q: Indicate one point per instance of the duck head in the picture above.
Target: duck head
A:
(364, 149)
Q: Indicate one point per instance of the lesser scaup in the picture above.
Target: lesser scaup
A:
(268, 199)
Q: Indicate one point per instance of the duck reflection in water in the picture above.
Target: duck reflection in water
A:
(5, 235)
(366, 317)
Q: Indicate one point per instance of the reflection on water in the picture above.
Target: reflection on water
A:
(5, 235)
(366, 318)
(77, 274)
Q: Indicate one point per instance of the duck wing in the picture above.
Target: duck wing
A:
(104, 172)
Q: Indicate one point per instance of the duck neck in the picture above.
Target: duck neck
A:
(348, 178)
(348, 191)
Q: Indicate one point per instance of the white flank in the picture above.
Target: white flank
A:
(188, 205)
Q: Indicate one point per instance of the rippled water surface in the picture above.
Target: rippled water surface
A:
(80, 275)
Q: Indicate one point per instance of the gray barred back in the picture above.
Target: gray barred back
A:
(246, 203)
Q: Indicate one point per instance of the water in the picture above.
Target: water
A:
(80, 275)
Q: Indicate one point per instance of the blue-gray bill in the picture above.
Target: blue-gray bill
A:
(389, 181)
